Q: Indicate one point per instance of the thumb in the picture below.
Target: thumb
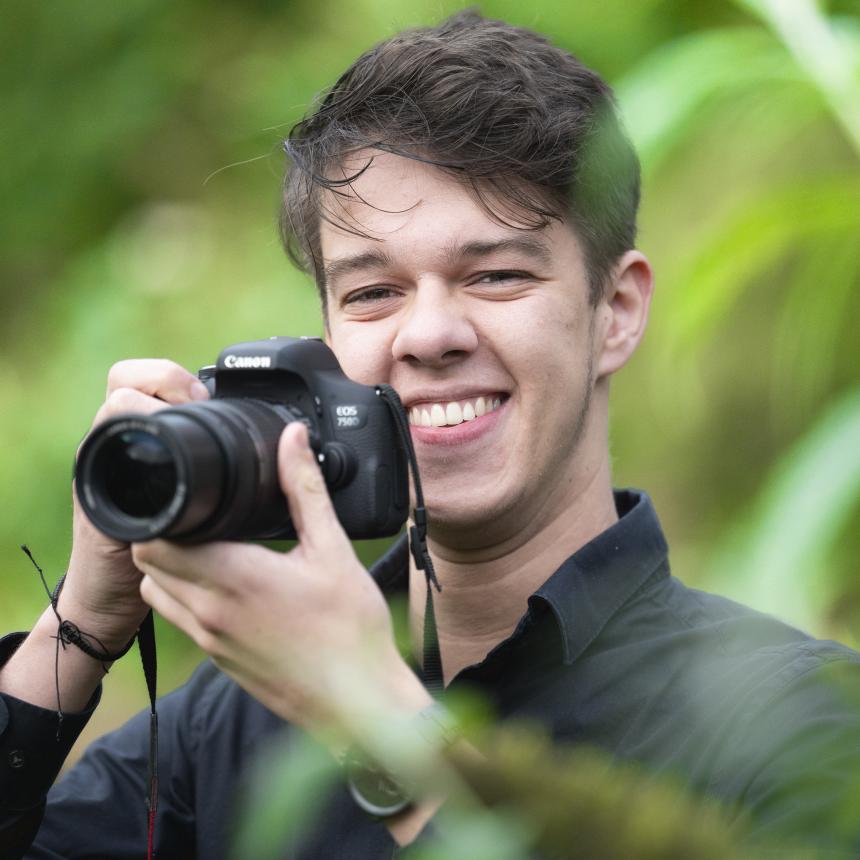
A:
(303, 484)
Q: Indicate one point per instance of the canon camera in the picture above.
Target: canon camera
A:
(208, 470)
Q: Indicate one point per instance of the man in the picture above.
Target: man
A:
(466, 200)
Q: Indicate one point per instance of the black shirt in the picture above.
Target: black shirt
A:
(612, 652)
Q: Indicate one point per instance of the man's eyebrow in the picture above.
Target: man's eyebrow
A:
(531, 246)
(455, 253)
(356, 263)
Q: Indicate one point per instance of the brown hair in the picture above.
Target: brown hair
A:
(531, 131)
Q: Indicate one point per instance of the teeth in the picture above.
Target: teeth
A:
(451, 413)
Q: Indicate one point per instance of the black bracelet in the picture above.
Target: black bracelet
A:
(70, 634)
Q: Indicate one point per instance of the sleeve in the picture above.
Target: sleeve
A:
(806, 745)
(34, 743)
(98, 808)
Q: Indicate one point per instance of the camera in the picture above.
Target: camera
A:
(208, 470)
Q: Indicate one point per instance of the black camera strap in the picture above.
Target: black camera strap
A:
(146, 645)
(432, 662)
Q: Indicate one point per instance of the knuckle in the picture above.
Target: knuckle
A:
(207, 642)
(211, 617)
(312, 480)
(172, 379)
(141, 554)
(117, 373)
(122, 400)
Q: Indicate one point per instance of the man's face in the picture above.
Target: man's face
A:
(486, 333)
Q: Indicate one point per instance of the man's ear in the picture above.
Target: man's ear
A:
(623, 312)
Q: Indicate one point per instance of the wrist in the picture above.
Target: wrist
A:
(112, 632)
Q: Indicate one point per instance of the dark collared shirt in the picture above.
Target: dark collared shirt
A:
(612, 652)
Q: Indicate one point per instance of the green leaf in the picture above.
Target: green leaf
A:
(662, 97)
(752, 237)
(775, 559)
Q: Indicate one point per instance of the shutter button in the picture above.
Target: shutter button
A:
(16, 759)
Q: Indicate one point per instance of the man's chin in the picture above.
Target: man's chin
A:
(467, 526)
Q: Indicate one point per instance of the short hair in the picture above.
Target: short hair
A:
(525, 126)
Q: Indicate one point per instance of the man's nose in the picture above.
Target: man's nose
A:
(434, 330)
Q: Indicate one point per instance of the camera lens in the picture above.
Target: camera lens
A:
(139, 473)
(195, 472)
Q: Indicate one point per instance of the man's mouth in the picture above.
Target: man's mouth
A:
(449, 413)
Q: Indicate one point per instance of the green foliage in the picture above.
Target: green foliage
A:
(141, 153)
(779, 553)
(525, 795)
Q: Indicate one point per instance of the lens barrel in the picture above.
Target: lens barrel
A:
(191, 473)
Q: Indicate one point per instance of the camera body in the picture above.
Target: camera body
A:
(208, 470)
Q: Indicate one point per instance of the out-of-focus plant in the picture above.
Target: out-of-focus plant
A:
(756, 292)
(523, 797)
(141, 160)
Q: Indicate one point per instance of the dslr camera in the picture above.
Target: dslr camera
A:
(208, 470)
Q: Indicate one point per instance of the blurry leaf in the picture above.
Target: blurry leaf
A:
(776, 557)
(750, 239)
(808, 333)
(285, 796)
(827, 50)
(661, 98)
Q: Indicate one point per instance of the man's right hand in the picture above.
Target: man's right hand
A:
(101, 594)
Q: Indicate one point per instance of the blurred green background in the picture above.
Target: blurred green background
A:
(141, 156)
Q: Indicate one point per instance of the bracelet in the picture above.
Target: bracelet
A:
(70, 634)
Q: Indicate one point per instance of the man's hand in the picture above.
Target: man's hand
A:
(307, 633)
(101, 593)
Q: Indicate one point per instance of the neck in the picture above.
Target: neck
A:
(485, 591)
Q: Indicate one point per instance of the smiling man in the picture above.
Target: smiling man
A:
(465, 199)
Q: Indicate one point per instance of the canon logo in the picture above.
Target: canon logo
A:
(239, 361)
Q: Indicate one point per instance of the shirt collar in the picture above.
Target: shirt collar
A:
(592, 585)
(598, 579)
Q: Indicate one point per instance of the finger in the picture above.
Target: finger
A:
(311, 508)
(162, 558)
(157, 377)
(220, 565)
(174, 611)
(125, 400)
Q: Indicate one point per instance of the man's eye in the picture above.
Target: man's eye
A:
(499, 277)
(373, 294)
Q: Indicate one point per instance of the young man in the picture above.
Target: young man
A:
(466, 202)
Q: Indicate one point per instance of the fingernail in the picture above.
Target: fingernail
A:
(199, 391)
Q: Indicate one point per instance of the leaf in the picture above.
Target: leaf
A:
(752, 237)
(287, 794)
(664, 94)
(828, 51)
(775, 558)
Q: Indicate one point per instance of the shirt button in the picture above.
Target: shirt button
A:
(16, 759)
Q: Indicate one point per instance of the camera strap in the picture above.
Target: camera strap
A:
(432, 658)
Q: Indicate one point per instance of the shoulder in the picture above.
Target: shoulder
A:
(737, 651)
(779, 709)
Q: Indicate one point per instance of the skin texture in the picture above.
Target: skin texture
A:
(442, 302)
